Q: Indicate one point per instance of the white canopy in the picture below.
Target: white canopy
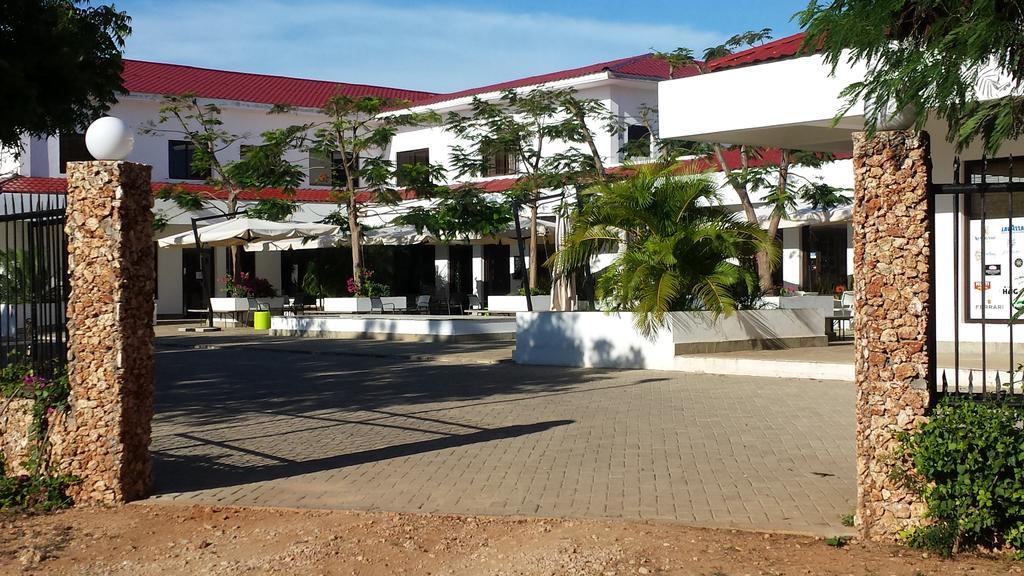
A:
(240, 231)
(806, 216)
(387, 236)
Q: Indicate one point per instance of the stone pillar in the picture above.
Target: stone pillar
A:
(892, 248)
(110, 335)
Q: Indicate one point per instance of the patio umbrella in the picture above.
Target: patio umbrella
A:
(240, 231)
(563, 289)
(387, 236)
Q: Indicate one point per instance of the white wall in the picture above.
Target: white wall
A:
(787, 103)
(138, 110)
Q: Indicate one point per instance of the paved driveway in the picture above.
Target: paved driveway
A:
(457, 428)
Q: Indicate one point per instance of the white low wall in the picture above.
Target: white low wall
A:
(384, 327)
(610, 340)
(360, 304)
(701, 332)
(826, 304)
(541, 302)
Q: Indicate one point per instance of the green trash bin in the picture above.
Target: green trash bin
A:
(261, 320)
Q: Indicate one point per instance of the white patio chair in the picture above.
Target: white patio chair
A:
(379, 306)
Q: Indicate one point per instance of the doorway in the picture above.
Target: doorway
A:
(498, 279)
(192, 279)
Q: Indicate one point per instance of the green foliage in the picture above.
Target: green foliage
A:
(35, 493)
(837, 541)
(324, 277)
(680, 252)
(263, 166)
(247, 285)
(533, 291)
(847, 519)
(460, 212)
(943, 55)
(367, 286)
(38, 490)
(20, 276)
(274, 209)
(969, 467)
(183, 199)
(61, 66)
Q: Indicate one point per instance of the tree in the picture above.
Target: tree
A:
(525, 126)
(60, 61)
(354, 141)
(751, 171)
(677, 249)
(962, 60)
(263, 166)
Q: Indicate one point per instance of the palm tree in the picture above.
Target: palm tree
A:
(678, 250)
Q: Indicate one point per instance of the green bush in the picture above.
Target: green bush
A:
(969, 468)
(34, 493)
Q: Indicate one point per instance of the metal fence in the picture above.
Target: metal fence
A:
(33, 283)
(984, 210)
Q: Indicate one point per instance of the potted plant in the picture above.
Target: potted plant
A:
(360, 294)
(239, 289)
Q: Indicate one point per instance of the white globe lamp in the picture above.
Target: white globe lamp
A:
(109, 138)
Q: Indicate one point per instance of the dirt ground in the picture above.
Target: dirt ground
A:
(197, 540)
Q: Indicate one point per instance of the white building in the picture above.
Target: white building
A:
(974, 286)
(624, 86)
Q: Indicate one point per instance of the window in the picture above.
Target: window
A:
(72, 149)
(410, 157)
(501, 163)
(322, 173)
(638, 141)
(994, 238)
(179, 161)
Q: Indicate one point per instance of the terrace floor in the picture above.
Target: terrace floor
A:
(457, 428)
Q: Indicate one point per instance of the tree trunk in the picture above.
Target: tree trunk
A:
(764, 265)
(533, 246)
(356, 241)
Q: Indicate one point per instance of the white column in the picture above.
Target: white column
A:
(268, 267)
(168, 277)
(478, 268)
(849, 253)
(441, 276)
(220, 270)
(792, 258)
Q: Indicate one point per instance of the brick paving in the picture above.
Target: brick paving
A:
(250, 420)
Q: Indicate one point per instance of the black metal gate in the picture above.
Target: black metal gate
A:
(977, 358)
(33, 282)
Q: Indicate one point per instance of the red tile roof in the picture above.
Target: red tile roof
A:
(41, 185)
(782, 48)
(644, 66)
(156, 78)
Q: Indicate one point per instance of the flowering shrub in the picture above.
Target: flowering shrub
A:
(367, 286)
(248, 286)
(39, 490)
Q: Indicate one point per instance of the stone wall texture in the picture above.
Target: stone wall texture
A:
(15, 421)
(110, 349)
(892, 248)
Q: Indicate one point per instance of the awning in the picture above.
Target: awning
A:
(241, 231)
(806, 216)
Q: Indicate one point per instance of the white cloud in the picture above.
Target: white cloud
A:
(423, 47)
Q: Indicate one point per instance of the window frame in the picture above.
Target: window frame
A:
(173, 165)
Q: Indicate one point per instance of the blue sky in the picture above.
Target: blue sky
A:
(435, 46)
